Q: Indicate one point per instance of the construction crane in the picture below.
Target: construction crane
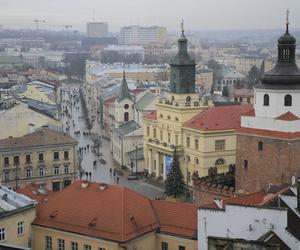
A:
(37, 21)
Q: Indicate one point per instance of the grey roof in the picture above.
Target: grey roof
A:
(126, 128)
(144, 101)
(124, 92)
(137, 154)
(44, 108)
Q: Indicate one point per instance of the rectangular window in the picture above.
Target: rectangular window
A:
(66, 155)
(164, 246)
(6, 175)
(87, 247)
(20, 228)
(148, 131)
(41, 157)
(74, 245)
(41, 172)
(169, 137)
(154, 133)
(28, 158)
(56, 156)
(188, 141)
(28, 173)
(2, 234)
(220, 145)
(56, 170)
(260, 146)
(48, 243)
(196, 144)
(161, 136)
(16, 160)
(176, 140)
(101, 248)
(61, 244)
(66, 169)
(181, 248)
(6, 160)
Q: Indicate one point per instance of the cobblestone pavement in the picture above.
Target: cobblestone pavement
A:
(101, 172)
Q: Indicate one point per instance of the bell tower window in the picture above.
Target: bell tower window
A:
(126, 116)
(266, 100)
(288, 100)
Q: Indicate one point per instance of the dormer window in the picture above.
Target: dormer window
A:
(266, 100)
(288, 101)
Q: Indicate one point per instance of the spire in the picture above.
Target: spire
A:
(182, 29)
(287, 21)
(124, 90)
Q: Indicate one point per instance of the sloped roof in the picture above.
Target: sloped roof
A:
(126, 128)
(176, 218)
(288, 116)
(34, 192)
(145, 101)
(114, 213)
(218, 118)
(151, 115)
(234, 74)
(124, 92)
(41, 137)
(137, 153)
(243, 92)
(269, 133)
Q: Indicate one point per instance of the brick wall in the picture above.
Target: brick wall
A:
(275, 164)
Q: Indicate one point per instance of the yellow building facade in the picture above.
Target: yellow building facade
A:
(43, 157)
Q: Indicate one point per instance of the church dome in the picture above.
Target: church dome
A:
(287, 39)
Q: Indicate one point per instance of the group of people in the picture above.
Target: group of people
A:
(84, 149)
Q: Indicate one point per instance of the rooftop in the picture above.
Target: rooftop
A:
(151, 115)
(218, 118)
(126, 128)
(42, 137)
(114, 212)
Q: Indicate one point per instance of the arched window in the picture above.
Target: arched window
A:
(266, 100)
(126, 106)
(169, 117)
(161, 116)
(288, 100)
(176, 119)
(188, 158)
(220, 162)
(126, 116)
(196, 160)
(188, 99)
(245, 164)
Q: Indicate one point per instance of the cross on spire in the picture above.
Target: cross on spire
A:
(287, 20)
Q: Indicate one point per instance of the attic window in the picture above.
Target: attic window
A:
(126, 106)
(93, 222)
(54, 214)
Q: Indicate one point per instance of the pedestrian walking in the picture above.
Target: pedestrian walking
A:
(90, 174)
(87, 175)
(110, 170)
(118, 179)
(114, 174)
(88, 147)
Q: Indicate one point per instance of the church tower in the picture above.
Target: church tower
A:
(123, 104)
(268, 142)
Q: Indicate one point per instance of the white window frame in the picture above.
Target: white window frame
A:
(2, 234)
(20, 228)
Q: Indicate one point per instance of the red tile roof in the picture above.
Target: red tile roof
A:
(243, 92)
(218, 118)
(176, 218)
(34, 192)
(269, 133)
(109, 101)
(250, 113)
(151, 115)
(288, 116)
(116, 213)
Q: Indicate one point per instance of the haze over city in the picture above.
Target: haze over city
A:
(198, 14)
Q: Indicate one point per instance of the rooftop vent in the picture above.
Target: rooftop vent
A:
(54, 214)
(4, 197)
(93, 222)
(84, 184)
(103, 186)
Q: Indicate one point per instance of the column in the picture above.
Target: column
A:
(150, 163)
(157, 164)
(164, 168)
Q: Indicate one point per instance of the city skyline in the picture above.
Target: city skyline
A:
(247, 14)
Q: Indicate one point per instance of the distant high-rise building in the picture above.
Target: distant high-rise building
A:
(97, 29)
(143, 35)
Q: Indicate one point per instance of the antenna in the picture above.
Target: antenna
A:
(182, 27)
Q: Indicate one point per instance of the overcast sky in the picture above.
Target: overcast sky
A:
(197, 14)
